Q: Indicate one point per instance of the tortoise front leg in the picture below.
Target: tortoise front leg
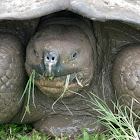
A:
(126, 76)
(66, 125)
(12, 76)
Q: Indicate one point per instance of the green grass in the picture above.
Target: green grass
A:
(120, 123)
(29, 89)
(20, 132)
(26, 132)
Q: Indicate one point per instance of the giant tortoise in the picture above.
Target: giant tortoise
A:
(73, 47)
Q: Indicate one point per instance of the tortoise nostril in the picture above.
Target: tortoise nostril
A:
(53, 58)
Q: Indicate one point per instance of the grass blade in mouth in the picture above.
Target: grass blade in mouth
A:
(66, 83)
(78, 82)
(65, 88)
(29, 87)
(33, 87)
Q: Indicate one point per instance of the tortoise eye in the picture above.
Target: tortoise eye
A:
(73, 56)
(34, 51)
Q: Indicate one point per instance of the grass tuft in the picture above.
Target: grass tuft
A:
(28, 89)
(20, 132)
(120, 124)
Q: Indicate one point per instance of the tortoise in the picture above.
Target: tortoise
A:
(74, 47)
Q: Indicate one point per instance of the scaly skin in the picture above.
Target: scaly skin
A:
(126, 76)
(12, 76)
(14, 35)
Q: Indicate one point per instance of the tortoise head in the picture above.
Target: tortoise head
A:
(62, 57)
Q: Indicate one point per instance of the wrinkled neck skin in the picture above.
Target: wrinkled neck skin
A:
(68, 115)
(63, 55)
(77, 104)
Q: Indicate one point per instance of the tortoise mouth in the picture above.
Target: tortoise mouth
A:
(57, 91)
(60, 81)
(55, 86)
(59, 85)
